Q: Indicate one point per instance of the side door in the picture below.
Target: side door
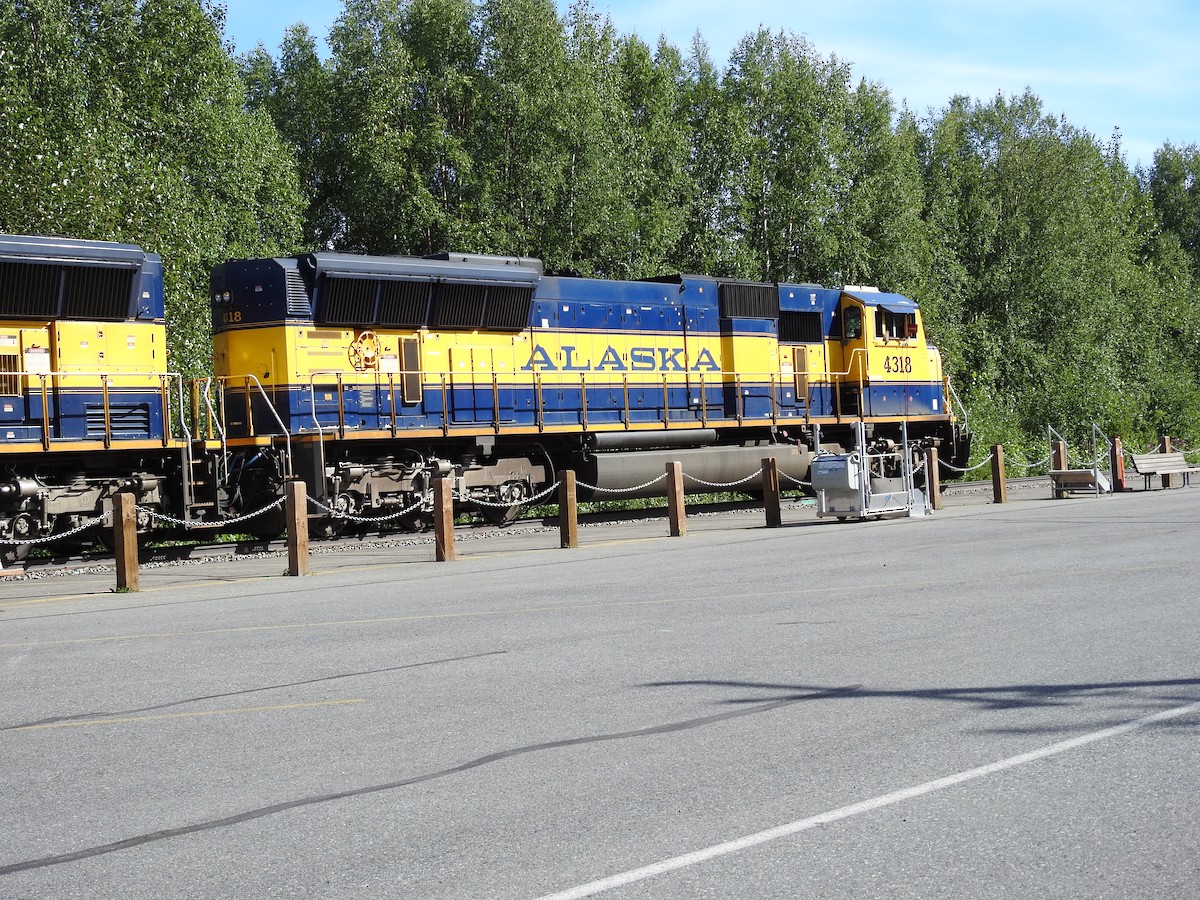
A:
(853, 386)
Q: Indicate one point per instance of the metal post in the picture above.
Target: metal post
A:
(999, 485)
(568, 511)
(1164, 446)
(295, 505)
(770, 485)
(125, 545)
(1116, 464)
(443, 518)
(676, 511)
(933, 479)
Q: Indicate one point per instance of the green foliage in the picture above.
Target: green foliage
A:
(125, 121)
(1041, 282)
(1173, 183)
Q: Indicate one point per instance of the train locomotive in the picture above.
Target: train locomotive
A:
(370, 377)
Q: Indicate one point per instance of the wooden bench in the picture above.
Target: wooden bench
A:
(1064, 481)
(1149, 465)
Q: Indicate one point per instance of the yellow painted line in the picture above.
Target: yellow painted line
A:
(185, 715)
(110, 594)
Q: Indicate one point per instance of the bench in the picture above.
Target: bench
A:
(1148, 465)
(1064, 481)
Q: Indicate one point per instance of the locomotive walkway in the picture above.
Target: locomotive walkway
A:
(994, 701)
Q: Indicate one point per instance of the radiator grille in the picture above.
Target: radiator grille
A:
(96, 293)
(126, 420)
(348, 301)
(801, 327)
(740, 299)
(298, 302)
(404, 304)
(10, 382)
(458, 305)
(508, 307)
(29, 290)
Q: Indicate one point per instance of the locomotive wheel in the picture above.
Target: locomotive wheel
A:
(11, 554)
(416, 522)
(513, 492)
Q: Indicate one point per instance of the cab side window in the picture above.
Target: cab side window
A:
(852, 322)
(894, 326)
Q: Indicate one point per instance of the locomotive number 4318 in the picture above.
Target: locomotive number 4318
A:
(897, 364)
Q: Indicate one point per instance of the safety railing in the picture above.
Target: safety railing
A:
(209, 413)
(630, 399)
(45, 387)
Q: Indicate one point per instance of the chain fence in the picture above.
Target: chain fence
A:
(945, 465)
(629, 490)
(185, 523)
(723, 486)
(524, 501)
(367, 520)
(51, 538)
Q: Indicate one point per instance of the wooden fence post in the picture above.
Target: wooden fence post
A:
(999, 485)
(1164, 446)
(933, 478)
(125, 545)
(1116, 464)
(568, 511)
(676, 511)
(1058, 461)
(443, 518)
(770, 486)
(295, 507)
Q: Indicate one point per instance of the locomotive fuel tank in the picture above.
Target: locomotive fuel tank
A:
(636, 473)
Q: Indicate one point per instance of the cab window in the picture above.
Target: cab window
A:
(894, 326)
(852, 322)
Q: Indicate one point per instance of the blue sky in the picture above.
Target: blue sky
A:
(1101, 63)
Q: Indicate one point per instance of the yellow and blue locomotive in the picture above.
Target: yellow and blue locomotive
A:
(84, 386)
(387, 372)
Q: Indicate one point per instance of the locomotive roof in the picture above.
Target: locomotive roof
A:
(471, 267)
(896, 303)
(49, 247)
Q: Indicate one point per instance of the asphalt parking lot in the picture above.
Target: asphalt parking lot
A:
(992, 701)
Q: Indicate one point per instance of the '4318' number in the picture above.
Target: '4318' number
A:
(897, 364)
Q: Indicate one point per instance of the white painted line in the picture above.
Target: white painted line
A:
(845, 812)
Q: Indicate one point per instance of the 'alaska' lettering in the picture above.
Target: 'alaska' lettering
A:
(641, 359)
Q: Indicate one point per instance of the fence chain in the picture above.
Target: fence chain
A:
(1033, 465)
(628, 490)
(350, 517)
(524, 501)
(947, 465)
(163, 517)
(787, 477)
(56, 537)
(730, 484)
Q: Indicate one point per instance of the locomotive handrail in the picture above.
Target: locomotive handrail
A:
(850, 370)
(743, 383)
(44, 379)
(187, 432)
(215, 419)
(958, 404)
(283, 431)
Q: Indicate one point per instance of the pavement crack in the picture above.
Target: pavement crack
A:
(258, 690)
